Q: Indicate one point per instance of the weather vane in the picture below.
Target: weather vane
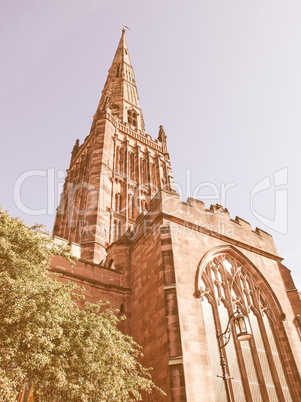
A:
(125, 27)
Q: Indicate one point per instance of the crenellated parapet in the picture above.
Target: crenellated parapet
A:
(192, 218)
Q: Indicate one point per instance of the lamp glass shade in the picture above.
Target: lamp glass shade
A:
(242, 327)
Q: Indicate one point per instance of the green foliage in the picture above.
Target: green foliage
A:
(46, 340)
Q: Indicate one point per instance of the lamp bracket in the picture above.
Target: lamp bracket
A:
(226, 377)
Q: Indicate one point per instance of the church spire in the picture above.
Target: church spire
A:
(116, 172)
(120, 93)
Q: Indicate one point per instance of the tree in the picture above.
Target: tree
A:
(66, 353)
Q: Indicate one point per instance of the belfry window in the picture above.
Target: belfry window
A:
(255, 366)
(132, 117)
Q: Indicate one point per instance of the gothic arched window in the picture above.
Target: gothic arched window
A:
(132, 166)
(155, 175)
(121, 160)
(131, 206)
(143, 165)
(255, 366)
(119, 230)
(114, 230)
(132, 118)
(117, 207)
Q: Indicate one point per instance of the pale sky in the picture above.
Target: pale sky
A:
(222, 77)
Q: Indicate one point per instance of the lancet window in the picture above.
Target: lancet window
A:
(117, 206)
(131, 206)
(121, 160)
(116, 230)
(155, 176)
(143, 169)
(132, 166)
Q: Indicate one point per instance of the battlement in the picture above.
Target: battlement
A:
(123, 128)
(215, 221)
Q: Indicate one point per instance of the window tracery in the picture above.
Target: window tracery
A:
(255, 365)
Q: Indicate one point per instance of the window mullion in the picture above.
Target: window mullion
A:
(245, 383)
(259, 372)
(271, 361)
(223, 351)
(241, 363)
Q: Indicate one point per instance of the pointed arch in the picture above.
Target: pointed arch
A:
(226, 278)
(238, 255)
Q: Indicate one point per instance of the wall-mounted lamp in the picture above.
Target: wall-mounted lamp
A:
(242, 327)
(243, 333)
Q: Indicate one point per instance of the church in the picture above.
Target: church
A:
(208, 298)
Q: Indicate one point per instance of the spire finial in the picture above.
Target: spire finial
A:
(124, 28)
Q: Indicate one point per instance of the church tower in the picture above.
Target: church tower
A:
(117, 170)
(180, 272)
